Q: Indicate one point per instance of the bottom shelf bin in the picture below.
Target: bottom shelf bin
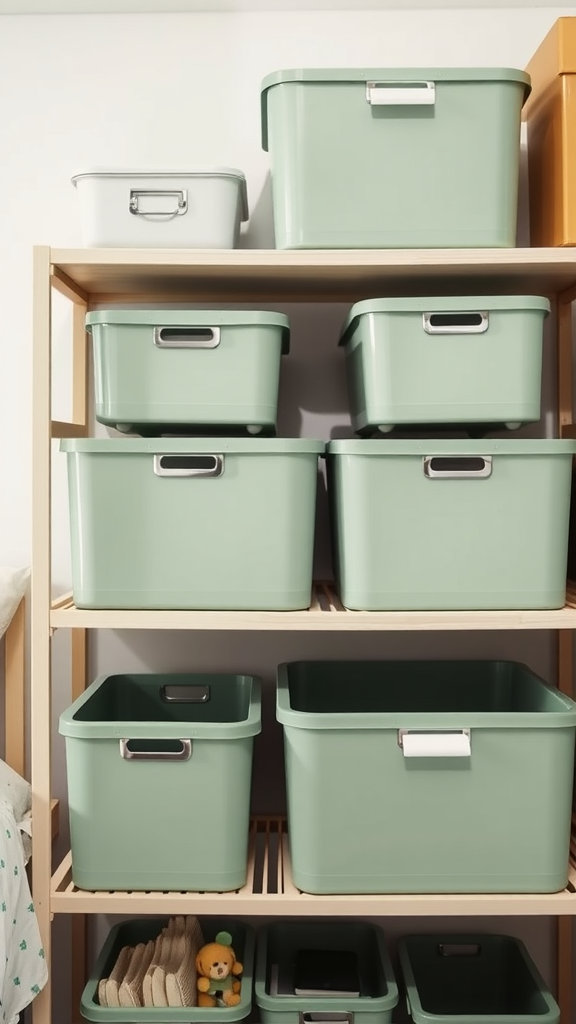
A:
(133, 932)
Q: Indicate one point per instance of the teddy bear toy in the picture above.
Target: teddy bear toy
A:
(217, 969)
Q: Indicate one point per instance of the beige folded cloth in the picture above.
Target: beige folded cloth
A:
(156, 959)
(181, 974)
(130, 991)
(117, 975)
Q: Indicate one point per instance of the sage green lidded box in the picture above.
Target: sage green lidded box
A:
(212, 523)
(464, 359)
(159, 772)
(414, 777)
(278, 972)
(157, 370)
(473, 979)
(450, 524)
(131, 933)
(394, 157)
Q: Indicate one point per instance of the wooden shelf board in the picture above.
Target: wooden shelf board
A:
(310, 275)
(325, 613)
(270, 891)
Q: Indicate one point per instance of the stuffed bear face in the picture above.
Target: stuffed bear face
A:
(215, 961)
(220, 968)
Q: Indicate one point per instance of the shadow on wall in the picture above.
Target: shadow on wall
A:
(260, 230)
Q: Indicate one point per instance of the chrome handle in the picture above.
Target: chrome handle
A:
(180, 197)
(457, 467)
(189, 465)
(400, 94)
(326, 1017)
(456, 323)
(185, 694)
(187, 337)
(183, 754)
(441, 743)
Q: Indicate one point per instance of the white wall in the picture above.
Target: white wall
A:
(183, 91)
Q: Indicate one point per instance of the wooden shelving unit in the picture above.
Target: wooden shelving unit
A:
(93, 277)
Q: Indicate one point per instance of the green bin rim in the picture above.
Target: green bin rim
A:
(338, 75)
(251, 726)
(432, 447)
(420, 1016)
(565, 717)
(194, 446)
(206, 172)
(364, 1004)
(184, 1014)
(444, 304)
(193, 318)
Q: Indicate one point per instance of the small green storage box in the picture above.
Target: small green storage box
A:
(450, 524)
(466, 360)
(158, 370)
(415, 777)
(159, 773)
(278, 946)
(473, 979)
(130, 933)
(212, 523)
(394, 157)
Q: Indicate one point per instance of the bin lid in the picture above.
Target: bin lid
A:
(202, 172)
(194, 318)
(442, 304)
(339, 75)
(489, 446)
(195, 445)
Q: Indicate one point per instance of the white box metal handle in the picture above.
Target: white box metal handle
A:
(401, 94)
(187, 337)
(188, 465)
(183, 753)
(435, 744)
(472, 322)
(457, 467)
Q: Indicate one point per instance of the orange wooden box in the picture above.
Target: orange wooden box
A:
(551, 115)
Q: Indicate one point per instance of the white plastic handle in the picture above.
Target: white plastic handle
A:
(435, 744)
(403, 94)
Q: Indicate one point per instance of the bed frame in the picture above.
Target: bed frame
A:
(15, 691)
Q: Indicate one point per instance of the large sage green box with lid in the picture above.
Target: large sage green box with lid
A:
(159, 773)
(160, 370)
(473, 979)
(278, 946)
(207, 523)
(415, 776)
(448, 360)
(436, 524)
(394, 157)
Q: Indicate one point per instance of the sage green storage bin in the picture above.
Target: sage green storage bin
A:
(212, 523)
(434, 524)
(130, 933)
(415, 777)
(394, 157)
(157, 370)
(473, 979)
(464, 359)
(277, 949)
(159, 772)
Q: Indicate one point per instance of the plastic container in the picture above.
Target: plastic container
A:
(212, 523)
(159, 772)
(394, 157)
(199, 209)
(130, 933)
(466, 360)
(551, 116)
(426, 777)
(159, 370)
(277, 971)
(450, 524)
(473, 979)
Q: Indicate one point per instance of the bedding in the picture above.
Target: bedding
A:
(13, 584)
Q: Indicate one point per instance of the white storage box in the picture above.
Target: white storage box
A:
(162, 209)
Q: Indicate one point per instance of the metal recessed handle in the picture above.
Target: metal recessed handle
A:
(182, 750)
(435, 744)
(457, 467)
(187, 337)
(189, 465)
(185, 694)
(401, 94)
(326, 1017)
(456, 323)
(177, 207)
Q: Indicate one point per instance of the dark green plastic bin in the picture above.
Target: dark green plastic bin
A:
(130, 933)
(278, 945)
(473, 979)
